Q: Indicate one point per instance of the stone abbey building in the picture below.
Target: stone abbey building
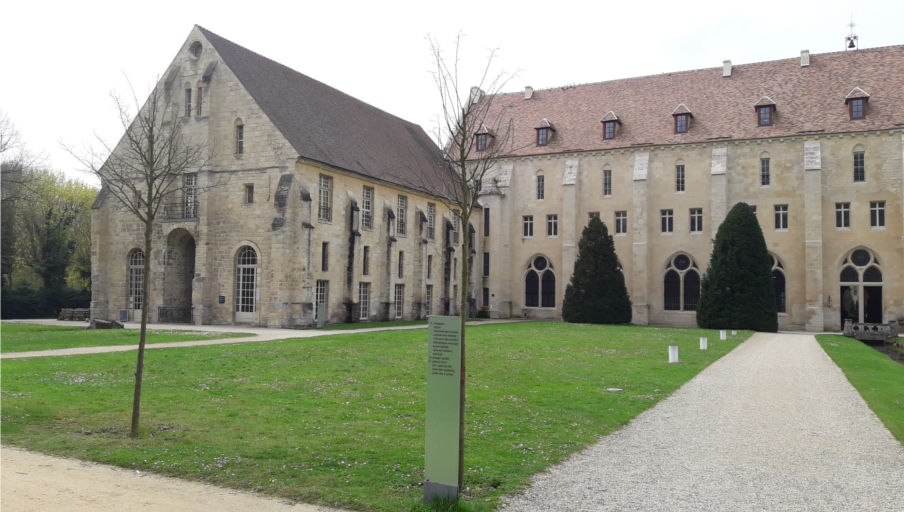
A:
(320, 218)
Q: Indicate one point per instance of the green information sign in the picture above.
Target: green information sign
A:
(443, 401)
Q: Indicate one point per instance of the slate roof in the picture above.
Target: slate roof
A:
(807, 99)
(328, 126)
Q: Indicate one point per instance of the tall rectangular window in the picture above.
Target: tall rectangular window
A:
(401, 216)
(363, 300)
(325, 208)
(552, 225)
(401, 264)
(607, 182)
(325, 256)
(428, 300)
(367, 208)
(239, 139)
(541, 184)
(187, 102)
(527, 225)
(859, 166)
(321, 298)
(667, 219)
(198, 101)
(608, 129)
(696, 220)
(781, 216)
(621, 222)
(248, 193)
(365, 263)
(399, 301)
(486, 221)
(431, 221)
(842, 215)
(679, 178)
(486, 264)
(681, 123)
(764, 172)
(190, 195)
(877, 214)
(429, 266)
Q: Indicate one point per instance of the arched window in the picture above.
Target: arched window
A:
(540, 284)
(245, 280)
(861, 287)
(778, 284)
(136, 277)
(681, 284)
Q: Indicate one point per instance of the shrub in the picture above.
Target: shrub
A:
(737, 290)
(596, 293)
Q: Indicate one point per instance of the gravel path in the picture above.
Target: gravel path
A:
(774, 425)
(34, 482)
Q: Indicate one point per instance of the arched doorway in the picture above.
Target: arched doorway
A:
(861, 287)
(178, 272)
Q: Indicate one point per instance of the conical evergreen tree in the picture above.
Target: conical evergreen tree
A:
(737, 290)
(596, 293)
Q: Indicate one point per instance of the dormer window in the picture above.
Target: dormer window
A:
(483, 139)
(856, 101)
(765, 111)
(545, 131)
(682, 116)
(610, 125)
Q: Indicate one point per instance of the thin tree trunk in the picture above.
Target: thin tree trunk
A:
(145, 303)
(463, 315)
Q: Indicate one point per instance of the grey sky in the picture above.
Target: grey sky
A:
(62, 60)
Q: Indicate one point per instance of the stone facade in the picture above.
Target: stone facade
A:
(260, 246)
(307, 244)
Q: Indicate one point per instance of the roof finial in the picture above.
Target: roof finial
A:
(851, 42)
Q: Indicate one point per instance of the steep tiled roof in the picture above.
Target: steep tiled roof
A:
(808, 99)
(328, 126)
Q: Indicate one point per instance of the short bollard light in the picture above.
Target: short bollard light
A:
(722, 335)
(704, 343)
(673, 353)
(734, 332)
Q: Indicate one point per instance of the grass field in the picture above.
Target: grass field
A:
(339, 419)
(373, 325)
(16, 337)
(878, 379)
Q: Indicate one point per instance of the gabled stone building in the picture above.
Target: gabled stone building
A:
(308, 210)
(816, 143)
(317, 214)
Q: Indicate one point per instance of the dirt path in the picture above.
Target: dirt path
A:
(34, 482)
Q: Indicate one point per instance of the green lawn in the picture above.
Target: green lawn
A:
(339, 420)
(16, 337)
(878, 379)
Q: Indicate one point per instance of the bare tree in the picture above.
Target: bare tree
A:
(9, 135)
(474, 136)
(142, 172)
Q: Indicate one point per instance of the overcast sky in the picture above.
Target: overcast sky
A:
(61, 60)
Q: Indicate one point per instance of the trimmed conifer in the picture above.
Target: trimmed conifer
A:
(737, 290)
(596, 293)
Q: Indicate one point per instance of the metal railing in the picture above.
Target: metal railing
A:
(180, 211)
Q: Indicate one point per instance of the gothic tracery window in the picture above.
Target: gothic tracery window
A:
(681, 284)
(540, 284)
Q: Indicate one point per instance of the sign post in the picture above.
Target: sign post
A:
(443, 400)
